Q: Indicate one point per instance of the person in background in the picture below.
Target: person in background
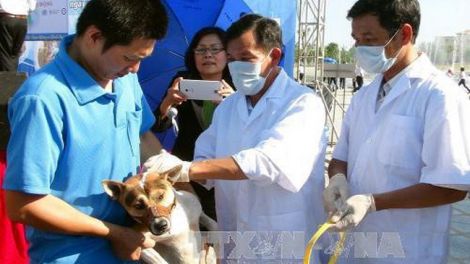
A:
(359, 79)
(332, 81)
(404, 149)
(205, 59)
(462, 78)
(13, 28)
(301, 73)
(79, 120)
(450, 73)
(342, 80)
(265, 148)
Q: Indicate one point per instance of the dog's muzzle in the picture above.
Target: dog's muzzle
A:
(160, 219)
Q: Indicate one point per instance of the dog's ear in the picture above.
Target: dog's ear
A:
(112, 188)
(172, 174)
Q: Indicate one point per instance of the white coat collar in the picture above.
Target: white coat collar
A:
(403, 80)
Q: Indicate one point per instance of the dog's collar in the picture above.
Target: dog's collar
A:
(159, 211)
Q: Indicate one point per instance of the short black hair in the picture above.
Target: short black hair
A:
(189, 56)
(392, 14)
(267, 32)
(122, 21)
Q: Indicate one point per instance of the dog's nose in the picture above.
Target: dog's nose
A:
(159, 226)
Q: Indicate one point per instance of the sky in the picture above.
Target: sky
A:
(438, 18)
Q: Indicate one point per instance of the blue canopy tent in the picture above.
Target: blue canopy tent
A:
(329, 60)
(186, 18)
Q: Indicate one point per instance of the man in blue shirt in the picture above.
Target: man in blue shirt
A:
(81, 119)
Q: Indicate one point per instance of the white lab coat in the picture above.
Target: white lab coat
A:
(420, 134)
(280, 147)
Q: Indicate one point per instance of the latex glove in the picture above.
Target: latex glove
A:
(336, 193)
(353, 211)
(164, 162)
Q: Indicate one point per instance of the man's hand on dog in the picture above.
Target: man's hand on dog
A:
(163, 162)
(127, 243)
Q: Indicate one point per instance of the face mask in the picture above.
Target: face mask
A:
(372, 58)
(246, 76)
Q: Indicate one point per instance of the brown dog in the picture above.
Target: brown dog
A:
(172, 217)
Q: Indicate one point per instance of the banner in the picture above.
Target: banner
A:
(52, 20)
(49, 21)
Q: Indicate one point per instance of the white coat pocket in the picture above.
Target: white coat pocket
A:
(400, 146)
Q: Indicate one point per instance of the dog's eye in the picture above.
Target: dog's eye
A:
(139, 206)
(160, 197)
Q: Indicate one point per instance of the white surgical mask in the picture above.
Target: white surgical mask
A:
(246, 76)
(373, 59)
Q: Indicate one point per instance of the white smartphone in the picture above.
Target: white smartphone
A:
(200, 90)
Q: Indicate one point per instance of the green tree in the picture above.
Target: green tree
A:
(352, 52)
(332, 51)
(347, 56)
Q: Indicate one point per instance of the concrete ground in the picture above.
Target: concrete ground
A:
(460, 233)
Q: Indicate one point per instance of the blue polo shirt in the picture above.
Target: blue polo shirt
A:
(69, 134)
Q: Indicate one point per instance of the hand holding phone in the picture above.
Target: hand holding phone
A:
(200, 89)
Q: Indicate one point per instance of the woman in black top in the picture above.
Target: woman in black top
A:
(205, 59)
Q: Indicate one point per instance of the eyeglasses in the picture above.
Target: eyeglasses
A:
(213, 50)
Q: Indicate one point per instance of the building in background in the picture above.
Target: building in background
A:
(449, 51)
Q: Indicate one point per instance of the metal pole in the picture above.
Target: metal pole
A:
(299, 34)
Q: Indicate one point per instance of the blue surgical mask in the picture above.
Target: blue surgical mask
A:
(246, 76)
(373, 59)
